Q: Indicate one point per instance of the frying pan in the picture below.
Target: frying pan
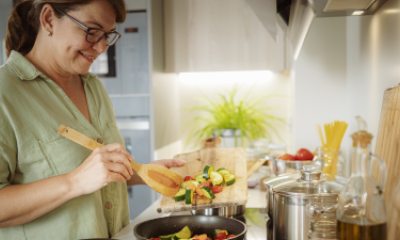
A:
(198, 225)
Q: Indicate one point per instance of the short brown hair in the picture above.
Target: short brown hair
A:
(23, 24)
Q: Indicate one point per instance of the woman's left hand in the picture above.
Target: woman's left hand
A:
(170, 162)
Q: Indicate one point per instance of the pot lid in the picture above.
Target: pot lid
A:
(309, 184)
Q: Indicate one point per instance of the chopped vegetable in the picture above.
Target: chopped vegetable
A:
(204, 185)
(186, 234)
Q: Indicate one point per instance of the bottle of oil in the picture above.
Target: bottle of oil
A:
(361, 209)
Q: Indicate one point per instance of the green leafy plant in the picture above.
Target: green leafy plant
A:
(247, 118)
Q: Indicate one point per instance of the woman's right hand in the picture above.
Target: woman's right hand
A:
(110, 163)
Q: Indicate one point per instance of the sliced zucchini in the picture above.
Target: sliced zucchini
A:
(216, 178)
(200, 178)
(207, 171)
(229, 179)
(189, 196)
(207, 193)
(184, 233)
(180, 195)
(223, 172)
(168, 237)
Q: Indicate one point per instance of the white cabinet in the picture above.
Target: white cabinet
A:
(222, 35)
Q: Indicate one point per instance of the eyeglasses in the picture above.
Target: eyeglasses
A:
(94, 35)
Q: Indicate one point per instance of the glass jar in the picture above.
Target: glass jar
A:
(361, 210)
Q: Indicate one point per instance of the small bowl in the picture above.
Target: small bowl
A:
(279, 166)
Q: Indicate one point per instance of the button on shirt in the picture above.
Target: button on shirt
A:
(32, 107)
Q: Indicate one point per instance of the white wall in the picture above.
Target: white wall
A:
(320, 81)
(343, 69)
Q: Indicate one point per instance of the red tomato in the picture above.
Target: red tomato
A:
(287, 156)
(217, 189)
(304, 154)
(230, 236)
(221, 236)
(188, 178)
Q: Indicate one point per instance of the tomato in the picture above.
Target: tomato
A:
(287, 156)
(188, 178)
(230, 236)
(217, 189)
(221, 236)
(304, 154)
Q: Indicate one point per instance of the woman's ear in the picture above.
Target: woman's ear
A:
(47, 18)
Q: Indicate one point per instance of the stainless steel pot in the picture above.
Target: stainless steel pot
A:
(223, 211)
(275, 181)
(306, 208)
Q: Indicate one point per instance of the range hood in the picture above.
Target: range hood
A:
(331, 8)
(290, 20)
(298, 16)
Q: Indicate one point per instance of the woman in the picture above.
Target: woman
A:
(50, 187)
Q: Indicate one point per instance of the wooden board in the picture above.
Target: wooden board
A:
(233, 159)
(388, 148)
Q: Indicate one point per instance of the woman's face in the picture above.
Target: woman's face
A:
(74, 54)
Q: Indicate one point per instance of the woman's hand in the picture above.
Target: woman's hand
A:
(169, 163)
(111, 163)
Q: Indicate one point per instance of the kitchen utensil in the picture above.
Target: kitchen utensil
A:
(158, 177)
(255, 166)
(387, 147)
(269, 184)
(233, 159)
(306, 208)
(198, 225)
(361, 209)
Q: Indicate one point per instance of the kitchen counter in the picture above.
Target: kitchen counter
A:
(254, 215)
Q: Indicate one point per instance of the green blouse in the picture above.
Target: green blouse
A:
(32, 106)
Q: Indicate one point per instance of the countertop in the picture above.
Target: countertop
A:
(255, 203)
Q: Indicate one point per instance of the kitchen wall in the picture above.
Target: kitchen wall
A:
(343, 69)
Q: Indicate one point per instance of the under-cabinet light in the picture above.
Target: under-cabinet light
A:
(358, 13)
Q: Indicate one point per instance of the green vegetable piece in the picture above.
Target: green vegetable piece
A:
(184, 233)
(180, 195)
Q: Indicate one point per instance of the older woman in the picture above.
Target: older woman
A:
(51, 188)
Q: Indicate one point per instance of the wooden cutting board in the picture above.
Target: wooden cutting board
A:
(388, 148)
(233, 159)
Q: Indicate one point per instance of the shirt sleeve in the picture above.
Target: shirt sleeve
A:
(8, 164)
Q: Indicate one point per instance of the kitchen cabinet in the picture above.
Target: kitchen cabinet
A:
(221, 35)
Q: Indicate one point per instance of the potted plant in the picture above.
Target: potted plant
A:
(240, 120)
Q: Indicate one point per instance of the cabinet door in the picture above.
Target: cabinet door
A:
(209, 35)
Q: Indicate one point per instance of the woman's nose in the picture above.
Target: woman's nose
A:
(101, 46)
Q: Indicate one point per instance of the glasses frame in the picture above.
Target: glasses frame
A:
(87, 30)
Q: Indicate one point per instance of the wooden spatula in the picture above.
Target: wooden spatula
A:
(158, 177)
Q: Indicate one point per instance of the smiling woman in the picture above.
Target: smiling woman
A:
(73, 193)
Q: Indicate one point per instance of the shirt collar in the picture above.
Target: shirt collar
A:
(25, 70)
